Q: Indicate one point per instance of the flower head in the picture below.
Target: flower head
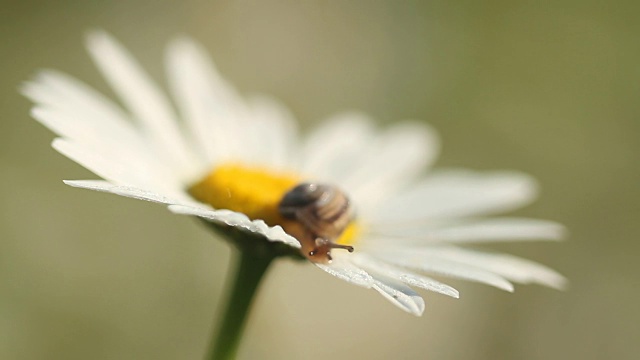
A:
(240, 163)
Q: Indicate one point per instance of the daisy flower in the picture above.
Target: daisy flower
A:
(354, 200)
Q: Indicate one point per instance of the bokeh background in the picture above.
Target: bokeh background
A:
(551, 88)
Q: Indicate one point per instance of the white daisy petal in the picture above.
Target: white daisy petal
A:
(184, 68)
(214, 112)
(422, 260)
(511, 267)
(78, 102)
(400, 295)
(103, 165)
(143, 98)
(116, 166)
(127, 191)
(235, 219)
(393, 161)
(450, 194)
(273, 128)
(412, 279)
(75, 128)
(335, 148)
(345, 270)
(474, 231)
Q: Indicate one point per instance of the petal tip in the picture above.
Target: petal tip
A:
(506, 286)
(96, 36)
(556, 281)
(561, 232)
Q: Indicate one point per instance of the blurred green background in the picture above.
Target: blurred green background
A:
(552, 89)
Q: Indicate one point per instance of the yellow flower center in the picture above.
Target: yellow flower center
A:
(255, 192)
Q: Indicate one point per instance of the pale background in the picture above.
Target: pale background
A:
(551, 89)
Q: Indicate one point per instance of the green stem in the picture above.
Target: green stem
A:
(250, 270)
